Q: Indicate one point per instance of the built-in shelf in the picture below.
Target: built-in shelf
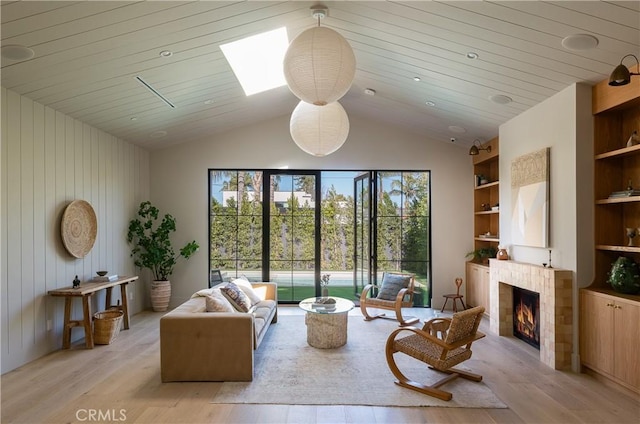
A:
(487, 212)
(613, 200)
(626, 151)
(488, 185)
(613, 248)
(608, 319)
(495, 240)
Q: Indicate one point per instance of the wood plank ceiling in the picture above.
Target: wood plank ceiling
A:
(87, 55)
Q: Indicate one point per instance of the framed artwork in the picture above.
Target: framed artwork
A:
(530, 199)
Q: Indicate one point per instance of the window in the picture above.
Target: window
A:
(291, 227)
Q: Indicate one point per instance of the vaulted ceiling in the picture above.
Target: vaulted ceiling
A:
(87, 55)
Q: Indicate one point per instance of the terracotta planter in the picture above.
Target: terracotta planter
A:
(160, 295)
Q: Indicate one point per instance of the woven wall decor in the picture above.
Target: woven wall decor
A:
(79, 228)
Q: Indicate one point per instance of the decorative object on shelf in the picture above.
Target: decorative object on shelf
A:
(624, 276)
(477, 146)
(102, 273)
(550, 259)
(482, 254)
(153, 250)
(104, 278)
(79, 228)
(76, 282)
(633, 139)
(486, 207)
(324, 282)
(319, 130)
(319, 64)
(502, 254)
(621, 74)
(631, 233)
(530, 199)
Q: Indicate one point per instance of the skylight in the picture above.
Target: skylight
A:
(257, 60)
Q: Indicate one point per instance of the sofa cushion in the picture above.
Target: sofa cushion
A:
(238, 299)
(247, 288)
(216, 302)
(392, 284)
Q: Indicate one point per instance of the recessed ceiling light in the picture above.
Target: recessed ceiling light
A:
(416, 79)
(500, 99)
(370, 91)
(158, 134)
(134, 118)
(208, 102)
(472, 55)
(457, 129)
(579, 42)
(17, 52)
(429, 103)
(166, 53)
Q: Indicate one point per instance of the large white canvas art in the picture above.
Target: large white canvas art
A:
(530, 199)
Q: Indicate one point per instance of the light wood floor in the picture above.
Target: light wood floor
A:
(121, 381)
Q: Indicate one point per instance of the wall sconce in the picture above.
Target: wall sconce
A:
(621, 75)
(477, 146)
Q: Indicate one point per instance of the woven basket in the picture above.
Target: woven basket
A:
(106, 325)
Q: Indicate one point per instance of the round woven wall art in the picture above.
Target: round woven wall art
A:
(79, 228)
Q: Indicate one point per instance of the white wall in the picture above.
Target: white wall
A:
(564, 123)
(179, 186)
(47, 160)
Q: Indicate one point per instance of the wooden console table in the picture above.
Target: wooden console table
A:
(85, 291)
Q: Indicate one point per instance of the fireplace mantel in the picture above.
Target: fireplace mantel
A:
(556, 306)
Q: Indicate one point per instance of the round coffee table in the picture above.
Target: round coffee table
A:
(326, 322)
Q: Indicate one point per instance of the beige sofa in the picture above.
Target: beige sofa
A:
(196, 345)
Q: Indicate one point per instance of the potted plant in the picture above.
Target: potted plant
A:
(153, 250)
(624, 276)
(482, 254)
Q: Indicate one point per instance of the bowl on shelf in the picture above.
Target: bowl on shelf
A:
(102, 273)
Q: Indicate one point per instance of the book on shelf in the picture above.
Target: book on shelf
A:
(624, 193)
(105, 278)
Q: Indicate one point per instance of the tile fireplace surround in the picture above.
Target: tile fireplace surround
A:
(556, 306)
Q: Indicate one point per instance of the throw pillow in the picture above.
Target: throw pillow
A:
(247, 288)
(202, 293)
(216, 302)
(238, 299)
(392, 284)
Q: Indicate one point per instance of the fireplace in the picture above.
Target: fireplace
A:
(554, 312)
(526, 316)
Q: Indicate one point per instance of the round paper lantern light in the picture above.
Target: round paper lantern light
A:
(319, 130)
(319, 66)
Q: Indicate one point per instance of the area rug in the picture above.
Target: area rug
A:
(288, 371)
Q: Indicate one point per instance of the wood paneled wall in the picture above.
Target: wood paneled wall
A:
(48, 159)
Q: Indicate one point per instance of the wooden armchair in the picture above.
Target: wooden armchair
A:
(395, 293)
(440, 353)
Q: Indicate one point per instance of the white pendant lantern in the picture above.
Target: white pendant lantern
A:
(319, 66)
(319, 130)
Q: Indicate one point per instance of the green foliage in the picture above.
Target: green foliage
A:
(152, 245)
(624, 276)
(479, 255)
